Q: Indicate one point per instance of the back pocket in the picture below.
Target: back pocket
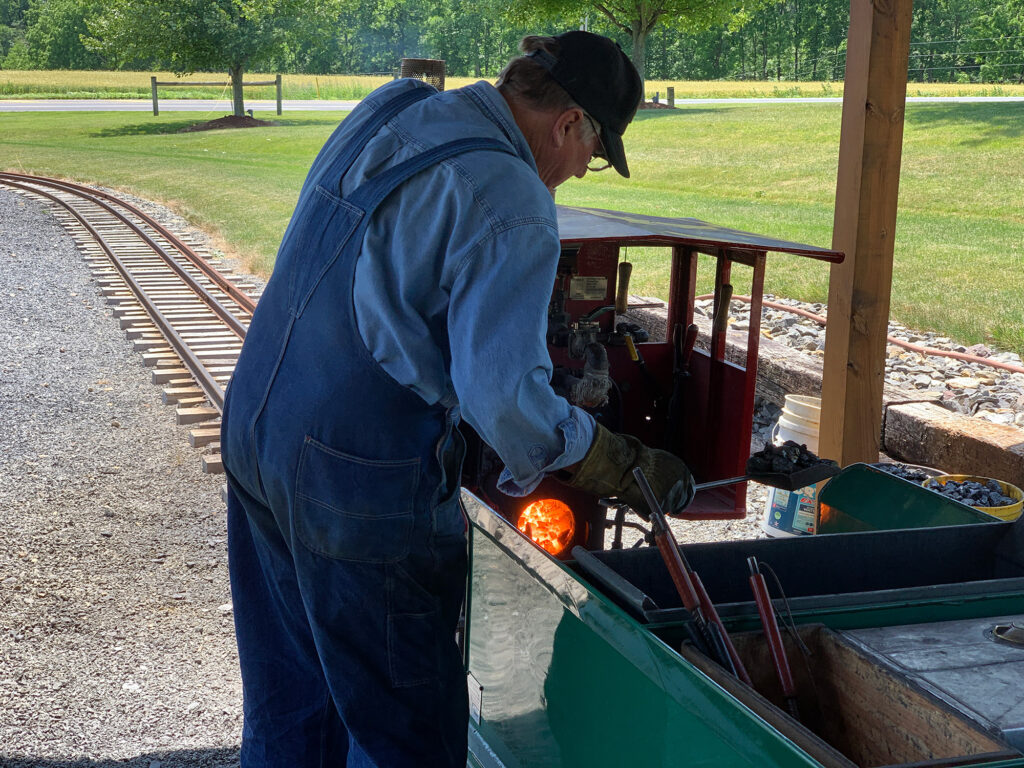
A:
(350, 508)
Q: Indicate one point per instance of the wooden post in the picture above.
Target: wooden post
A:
(278, 79)
(670, 95)
(867, 186)
(152, 85)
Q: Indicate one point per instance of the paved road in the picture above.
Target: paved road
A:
(313, 105)
(166, 105)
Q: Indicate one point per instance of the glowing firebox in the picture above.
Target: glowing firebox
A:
(550, 523)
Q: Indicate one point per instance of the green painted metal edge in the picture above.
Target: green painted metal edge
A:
(734, 734)
(863, 498)
(891, 614)
(759, 743)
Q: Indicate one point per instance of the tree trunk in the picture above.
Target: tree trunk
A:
(640, 55)
(236, 90)
(481, 50)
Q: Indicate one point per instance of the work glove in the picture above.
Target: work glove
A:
(607, 470)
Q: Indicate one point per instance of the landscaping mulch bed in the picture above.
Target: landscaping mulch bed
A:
(230, 121)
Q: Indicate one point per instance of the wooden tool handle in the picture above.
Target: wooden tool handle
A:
(711, 614)
(622, 288)
(721, 321)
(689, 340)
(774, 638)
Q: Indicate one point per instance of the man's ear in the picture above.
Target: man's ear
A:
(563, 126)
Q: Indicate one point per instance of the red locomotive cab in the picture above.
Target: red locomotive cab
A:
(660, 373)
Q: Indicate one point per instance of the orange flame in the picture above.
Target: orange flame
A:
(550, 523)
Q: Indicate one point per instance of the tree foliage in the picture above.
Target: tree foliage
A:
(637, 19)
(952, 40)
(54, 31)
(203, 35)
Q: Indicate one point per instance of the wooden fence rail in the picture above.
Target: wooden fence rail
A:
(174, 83)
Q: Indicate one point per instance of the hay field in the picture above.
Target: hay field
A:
(86, 84)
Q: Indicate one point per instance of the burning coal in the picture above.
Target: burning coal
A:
(550, 523)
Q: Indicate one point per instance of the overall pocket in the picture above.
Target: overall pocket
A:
(356, 509)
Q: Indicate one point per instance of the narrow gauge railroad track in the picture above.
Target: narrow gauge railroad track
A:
(185, 316)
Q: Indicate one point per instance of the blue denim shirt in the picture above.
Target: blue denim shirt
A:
(455, 274)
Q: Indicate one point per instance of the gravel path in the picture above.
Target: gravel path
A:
(116, 641)
(116, 637)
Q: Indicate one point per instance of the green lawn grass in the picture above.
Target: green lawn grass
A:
(770, 169)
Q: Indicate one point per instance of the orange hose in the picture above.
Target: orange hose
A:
(898, 342)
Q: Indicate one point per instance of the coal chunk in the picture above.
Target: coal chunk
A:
(972, 493)
(783, 459)
(902, 471)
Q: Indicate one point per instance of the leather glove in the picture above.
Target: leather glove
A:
(607, 470)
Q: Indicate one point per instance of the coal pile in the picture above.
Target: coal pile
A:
(973, 493)
(783, 459)
(902, 471)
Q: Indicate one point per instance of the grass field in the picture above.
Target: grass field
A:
(959, 267)
(86, 84)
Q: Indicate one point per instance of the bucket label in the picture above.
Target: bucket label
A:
(779, 512)
(792, 513)
(804, 517)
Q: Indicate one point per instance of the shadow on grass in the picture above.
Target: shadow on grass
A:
(988, 120)
(643, 115)
(165, 128)
(222, 757)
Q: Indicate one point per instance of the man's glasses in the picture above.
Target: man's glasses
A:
(599, 153)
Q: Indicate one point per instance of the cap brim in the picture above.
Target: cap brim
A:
(616, 153)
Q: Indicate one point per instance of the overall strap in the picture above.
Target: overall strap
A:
(358, 140)
(372, 192)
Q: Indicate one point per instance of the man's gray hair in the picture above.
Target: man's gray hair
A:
(526, 81)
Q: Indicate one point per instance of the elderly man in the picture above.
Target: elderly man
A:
(410, 292)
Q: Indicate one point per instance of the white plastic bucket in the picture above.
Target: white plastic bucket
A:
(803, 407)
(794, 513)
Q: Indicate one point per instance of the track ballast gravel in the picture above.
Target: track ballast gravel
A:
(116, 637)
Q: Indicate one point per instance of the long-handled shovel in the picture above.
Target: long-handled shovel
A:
(688, 584)
(773, 636)
(682, 349)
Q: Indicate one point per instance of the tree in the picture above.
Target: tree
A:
(327, 44)
(203, 35)
(54, 30)
(475, 37)
(1000, 29)
(12, 30)
(638, 18)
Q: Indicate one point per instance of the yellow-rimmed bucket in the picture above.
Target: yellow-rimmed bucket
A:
(1008, 512)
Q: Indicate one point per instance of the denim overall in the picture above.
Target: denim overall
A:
(346, 540)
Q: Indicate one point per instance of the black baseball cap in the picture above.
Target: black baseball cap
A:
(599, 77)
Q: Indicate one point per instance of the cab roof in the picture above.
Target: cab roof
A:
(582, 225)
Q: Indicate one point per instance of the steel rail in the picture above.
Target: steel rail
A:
(208, 384)
(240, 297)
(207, 298)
